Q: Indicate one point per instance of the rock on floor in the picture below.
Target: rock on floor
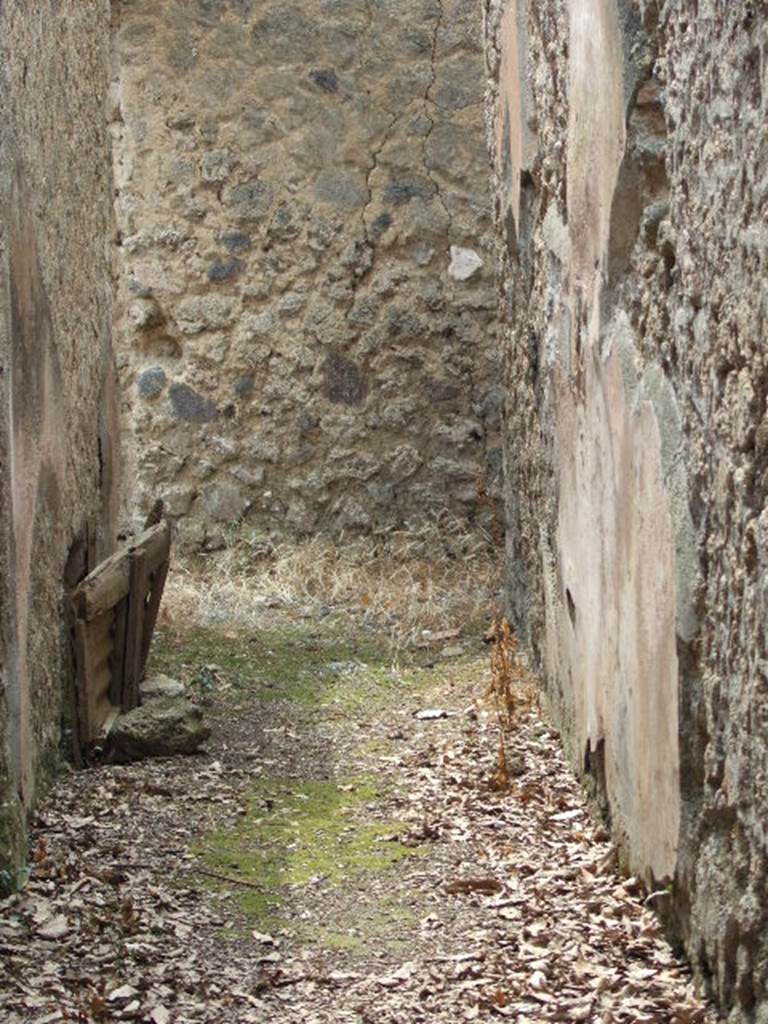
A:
(161, 728)
(156, 686)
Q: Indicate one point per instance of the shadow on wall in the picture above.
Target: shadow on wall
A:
(37, 464)
(53, 535)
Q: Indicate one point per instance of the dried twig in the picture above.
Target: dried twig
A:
(228, 878)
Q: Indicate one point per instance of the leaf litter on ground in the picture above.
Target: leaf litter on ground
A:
(512, 908)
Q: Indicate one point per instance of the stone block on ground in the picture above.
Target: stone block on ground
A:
(158, 686)
(161, 728)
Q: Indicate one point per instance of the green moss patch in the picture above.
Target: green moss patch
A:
(295, 833)
(366, 925)
(310, 668)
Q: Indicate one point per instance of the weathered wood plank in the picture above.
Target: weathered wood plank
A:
(101, 654)
(100, 628)
(134, 633)
(113, 614)
(117, 662)
(74, 687)
(93, 648)
(110, 582)
(87, 690)
(106, 726)
(153, 607)
(154, 545)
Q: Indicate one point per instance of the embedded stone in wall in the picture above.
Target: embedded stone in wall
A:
(464, 263)
(204, 313)
(225, 270)
(249, 202)
(151, 383)
(187, 404)
(344, 384)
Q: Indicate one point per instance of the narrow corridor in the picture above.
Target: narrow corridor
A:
(339, 853)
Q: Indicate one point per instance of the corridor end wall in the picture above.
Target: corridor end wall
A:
(301, 349)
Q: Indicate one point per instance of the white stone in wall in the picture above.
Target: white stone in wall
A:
(464, 263)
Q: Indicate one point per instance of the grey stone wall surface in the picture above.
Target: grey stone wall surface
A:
(631, 171)
(59, 412)
(307, 315)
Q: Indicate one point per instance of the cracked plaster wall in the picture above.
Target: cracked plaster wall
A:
(296, 351)
(58, 404)
(631, 173)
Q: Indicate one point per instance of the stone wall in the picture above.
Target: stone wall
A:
(632, 183)
(307, 315)
(58, 407)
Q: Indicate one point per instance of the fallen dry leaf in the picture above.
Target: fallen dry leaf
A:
(467, 885)
(54, 928)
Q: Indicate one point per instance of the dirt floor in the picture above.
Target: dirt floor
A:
(344, 850)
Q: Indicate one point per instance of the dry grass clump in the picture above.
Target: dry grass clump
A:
(405, 583)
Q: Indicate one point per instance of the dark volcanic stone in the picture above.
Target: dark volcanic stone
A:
(236, 241)
(187, 404)
(243, 386)
(151, 382)
(325, 80)
(380, 225)
(225, 270)
(283, 225)
(344, 383)
(341, 188)
(283, 33)
(400, 192)
(442, 390)
(250, 201)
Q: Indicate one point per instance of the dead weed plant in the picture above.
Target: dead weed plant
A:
(512, 691)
